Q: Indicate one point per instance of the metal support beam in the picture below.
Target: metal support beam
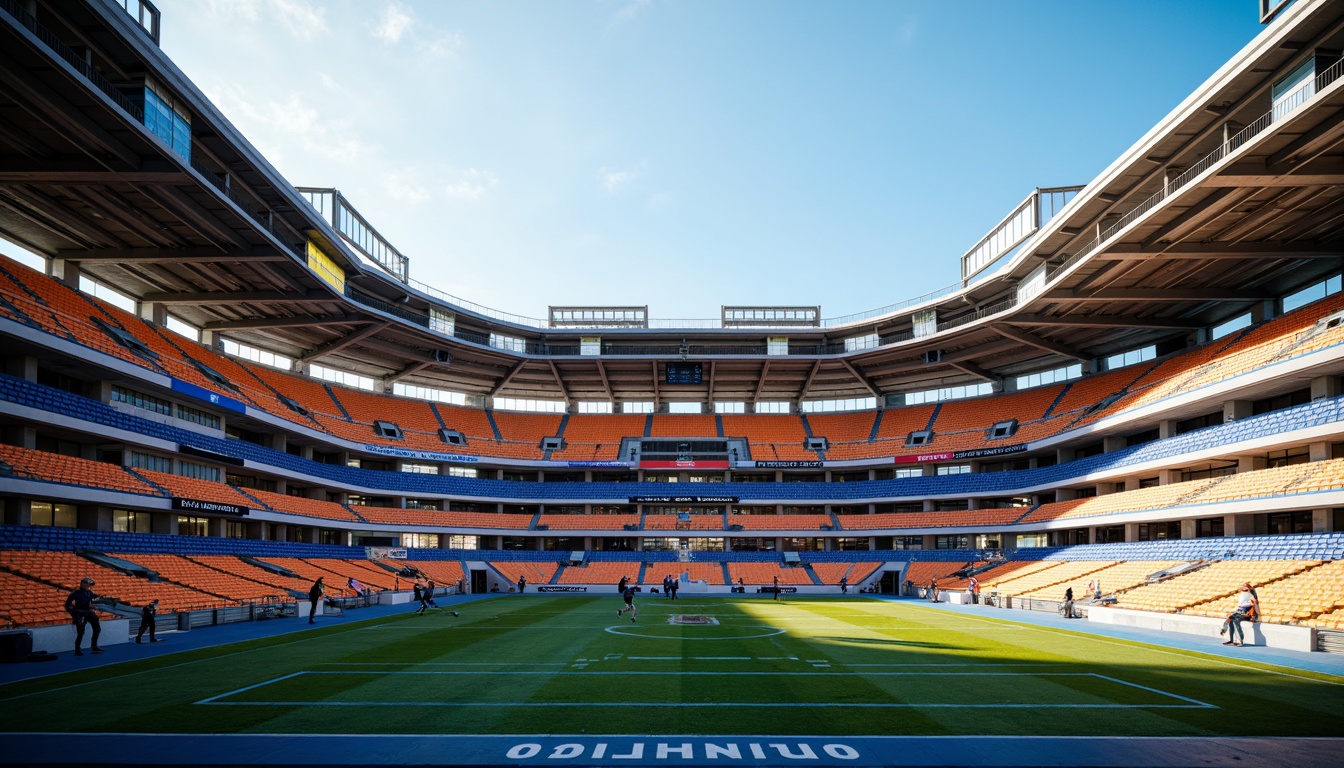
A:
(1033, 340)
(508, 378)
(1252, 251)
(1156, 294)
(1111, 321)
(560, 382)
(760, 382)
(257, 323)
(807, 384)
(393, 378)
(980, 373)
(861, 378)
(346, 340)
(173, 255)
(215, 298)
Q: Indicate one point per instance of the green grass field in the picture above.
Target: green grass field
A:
(848, 667)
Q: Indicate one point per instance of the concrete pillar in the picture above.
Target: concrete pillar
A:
(1131, 531)
(1326, 386)
(1168, 476)
(1320, 520)
(21, 367)
(217, 527)
(1166, 428)
(1236, 409)
(1318, 451)
(1250, 463)
(155, 312)
(64, 270)
(1114, 443)
(1063, 455)
(1264, 310)
(1239, 525)
(1187, 529)
(93, 518)
(18, 511)
(22, 435)
(164, 522)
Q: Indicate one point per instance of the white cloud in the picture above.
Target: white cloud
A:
(470, 185)
(446, 45)
(613, 179)
(301, 18)
(292, 126)
(628, 12)
(395, 21)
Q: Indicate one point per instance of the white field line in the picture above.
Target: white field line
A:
(1190, 703)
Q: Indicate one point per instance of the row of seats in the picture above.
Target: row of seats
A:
(1279, 481)
(1316, 413)
(41, 301)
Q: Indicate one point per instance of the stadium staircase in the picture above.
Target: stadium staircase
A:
(1058, 398)
(337, 401)
(494, 426)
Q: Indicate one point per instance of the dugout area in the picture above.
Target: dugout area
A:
(849, 681)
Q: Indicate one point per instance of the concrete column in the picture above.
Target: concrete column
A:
(1131, 531)
(21, 367)
(65, 270)
(18, 511)
(1326, 386)
(1240, 525)
(22, 435)
(1320, 520)
(1187, 529)
(216, 527)
(1114, 443)
(1166, 428)
(155, 312)
(1318, 451)
(163, 522)
(1236, 409)
(1250, 463)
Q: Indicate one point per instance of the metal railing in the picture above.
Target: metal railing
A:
(144, 13)
(15, 10)
(1277, 113)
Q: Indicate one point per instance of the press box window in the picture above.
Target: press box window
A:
(1002, 430)
(919, 437)
(167, 119)
(387, 429)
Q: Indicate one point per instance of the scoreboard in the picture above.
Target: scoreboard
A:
(685, 373)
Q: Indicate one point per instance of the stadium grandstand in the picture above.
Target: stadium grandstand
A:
(220, 386)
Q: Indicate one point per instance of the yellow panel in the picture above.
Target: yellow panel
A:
(327, 269)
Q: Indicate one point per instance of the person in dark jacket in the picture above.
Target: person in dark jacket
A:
(147, 615)
(314, 596)
(80, 607)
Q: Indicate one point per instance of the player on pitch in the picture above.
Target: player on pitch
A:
(629, 597)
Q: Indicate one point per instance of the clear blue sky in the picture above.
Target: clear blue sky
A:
(690, 153)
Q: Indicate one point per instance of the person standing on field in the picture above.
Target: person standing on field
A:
(147, 615)
(315, 594)
(80, 607)
(629, 597)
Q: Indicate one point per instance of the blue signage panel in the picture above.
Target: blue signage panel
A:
(205, 395)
